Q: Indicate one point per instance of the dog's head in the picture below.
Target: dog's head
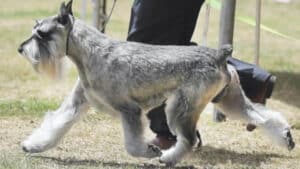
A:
(48, 43)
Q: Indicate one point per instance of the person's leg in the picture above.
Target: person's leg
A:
(163, 22)
(158, 124)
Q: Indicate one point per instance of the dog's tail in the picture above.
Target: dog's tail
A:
(223, 52)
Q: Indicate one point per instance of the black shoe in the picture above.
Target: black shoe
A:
(265, 92)
(164, 142)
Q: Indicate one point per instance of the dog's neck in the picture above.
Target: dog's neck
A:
(83, 40)
(84, 43)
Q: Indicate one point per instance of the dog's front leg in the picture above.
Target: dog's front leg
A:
(135, 143)
(57, 123)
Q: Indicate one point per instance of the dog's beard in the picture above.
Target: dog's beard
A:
(47, 61)
(52, 68)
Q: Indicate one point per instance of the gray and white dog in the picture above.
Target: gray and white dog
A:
(127, 78)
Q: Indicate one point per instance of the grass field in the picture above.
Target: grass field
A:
(96, 141)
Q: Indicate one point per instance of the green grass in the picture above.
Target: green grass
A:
(39, 13)
(31, 107)
(26, 14)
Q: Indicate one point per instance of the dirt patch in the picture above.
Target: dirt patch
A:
(96, 141)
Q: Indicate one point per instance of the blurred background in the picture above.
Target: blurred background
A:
(278, 55)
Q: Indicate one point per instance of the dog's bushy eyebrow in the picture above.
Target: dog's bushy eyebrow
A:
(46, 28)
(44, 25)
(45, 35)
(43, 30)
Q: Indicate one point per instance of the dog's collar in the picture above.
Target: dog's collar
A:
(68, 35)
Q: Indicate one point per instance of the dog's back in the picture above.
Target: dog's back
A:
(153, 71)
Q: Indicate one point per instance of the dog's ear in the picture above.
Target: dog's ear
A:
(69, 7)
(64, 12)
(66, 9)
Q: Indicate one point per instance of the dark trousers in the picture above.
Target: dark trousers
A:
(172, 22)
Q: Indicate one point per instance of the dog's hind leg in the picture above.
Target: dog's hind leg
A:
(237, 106)
(57, 123)
(133, 132)
(182, 110)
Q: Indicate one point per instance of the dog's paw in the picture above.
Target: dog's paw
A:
(28, 147)
(167, 160)
(170, 157)
(39, 141)
(153, 151)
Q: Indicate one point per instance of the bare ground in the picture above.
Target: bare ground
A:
(96, 142)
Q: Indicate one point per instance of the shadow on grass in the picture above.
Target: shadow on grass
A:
(109, 164)
(208, 155)
(287, 88)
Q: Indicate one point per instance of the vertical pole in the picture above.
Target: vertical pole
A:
(225, 37)
(99, 14)
(83, 9)
(104, 15)
(104, 7)
(96, 13)
(257, 32)
(206, 24)
(227, 22)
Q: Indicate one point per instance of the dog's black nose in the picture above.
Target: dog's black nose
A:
(20, 49)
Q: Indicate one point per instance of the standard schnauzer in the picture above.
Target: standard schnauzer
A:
(127, 78)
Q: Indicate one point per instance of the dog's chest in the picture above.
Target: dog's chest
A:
(97, 101)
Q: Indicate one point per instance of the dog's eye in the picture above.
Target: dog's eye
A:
(43, 35)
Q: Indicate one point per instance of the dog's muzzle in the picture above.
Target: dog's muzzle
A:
(20, 49)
